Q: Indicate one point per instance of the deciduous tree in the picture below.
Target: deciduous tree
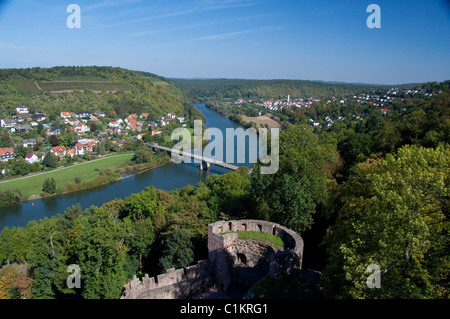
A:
(394, 214)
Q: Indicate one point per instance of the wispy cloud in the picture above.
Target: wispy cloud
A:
(202, 7)
(150, 32)
(10, 46)
(110, 3)
(230, 34)
(196, 26)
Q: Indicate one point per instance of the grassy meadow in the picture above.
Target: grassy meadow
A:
(32, 186)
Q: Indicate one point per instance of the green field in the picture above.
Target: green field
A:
(32, 186)
(26, 86)
(273, 240)
(80, 83)
(84, 85)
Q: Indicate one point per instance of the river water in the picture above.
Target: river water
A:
(167, 177)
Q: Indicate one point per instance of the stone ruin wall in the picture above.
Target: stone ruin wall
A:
(216, 241)
(214, 272)
(173, 284)
(221, 244)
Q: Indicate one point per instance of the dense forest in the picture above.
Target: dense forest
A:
(267, 89)
(362, 192)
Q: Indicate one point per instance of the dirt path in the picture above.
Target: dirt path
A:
(80, 81)
(38, 87)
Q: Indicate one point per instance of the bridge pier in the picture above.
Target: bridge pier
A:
(204, 165)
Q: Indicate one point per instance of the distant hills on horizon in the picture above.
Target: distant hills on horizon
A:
(111, 79)
(410, 84)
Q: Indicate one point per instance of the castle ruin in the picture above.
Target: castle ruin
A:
(232, 267)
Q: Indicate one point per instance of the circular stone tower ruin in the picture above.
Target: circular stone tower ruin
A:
(238, 264)
(233, 264)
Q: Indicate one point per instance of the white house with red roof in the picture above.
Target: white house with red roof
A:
(81, 128)
(155, 132)
(59, 150)
(132, 124)
(65, 115)
(31, 158)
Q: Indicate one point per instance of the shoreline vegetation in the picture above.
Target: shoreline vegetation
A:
(105, 176)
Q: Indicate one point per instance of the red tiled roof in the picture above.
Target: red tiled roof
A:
(132, 121)
(59, 148)
(5, 150)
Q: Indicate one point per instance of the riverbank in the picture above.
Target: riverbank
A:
(83, 176)
(104, 179)
(248, 115)
(165, 177)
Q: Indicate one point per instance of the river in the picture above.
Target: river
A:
(166, 177)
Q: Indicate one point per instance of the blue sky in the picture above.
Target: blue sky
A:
(253, 39)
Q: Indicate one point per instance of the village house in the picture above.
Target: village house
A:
(65, 115)
(71, 152)
(21, 128)
(7, 123)
(132, 124)
(72, 121)
(89, 146)
(143, 115)
(83, 114)
(114, 124)
(79, 149)
(155, 132)
(114, 130)
(31, 158)
(100, 114)
(31, 142)
(23, 117)
(81, 128)
(54, 131)
(6, 154)
(59, 150)
(152, 124)
(39, 117)
(21, 109)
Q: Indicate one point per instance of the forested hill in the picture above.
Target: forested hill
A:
(252, 89)
(53, 90)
